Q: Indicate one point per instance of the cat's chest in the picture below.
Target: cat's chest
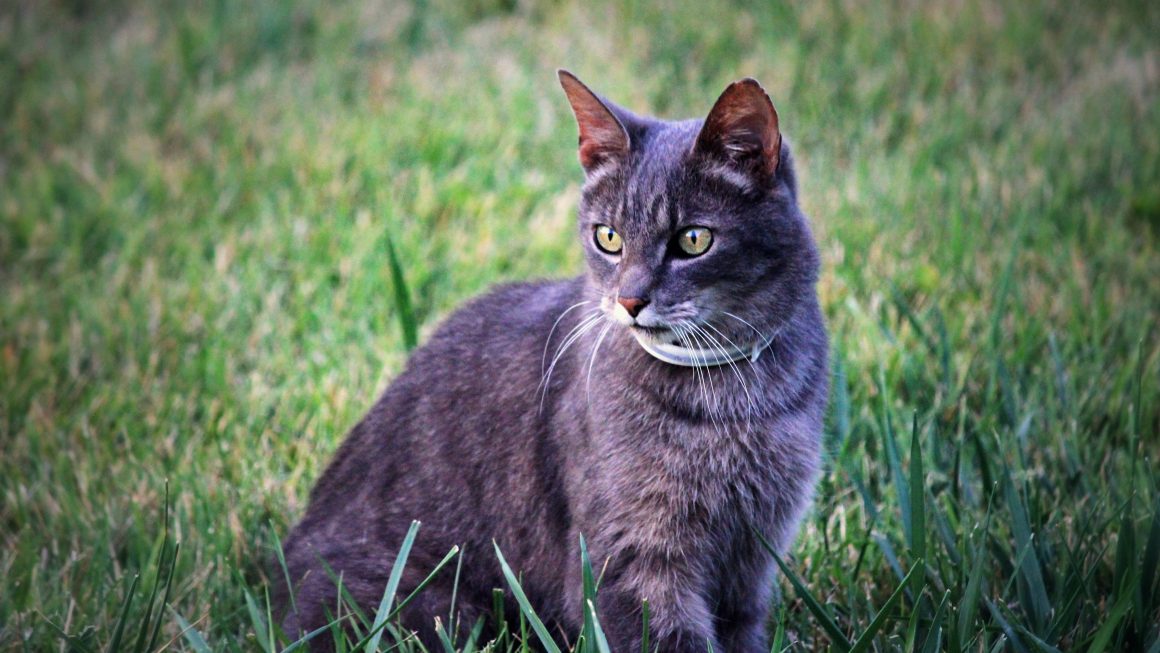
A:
(687, 463)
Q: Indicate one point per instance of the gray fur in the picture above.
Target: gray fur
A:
(666, 471)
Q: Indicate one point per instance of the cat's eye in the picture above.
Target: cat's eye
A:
(608, 240)
(695, 241)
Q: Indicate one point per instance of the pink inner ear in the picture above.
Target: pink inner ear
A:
(743, 124)
(600, 141)
(602, 137)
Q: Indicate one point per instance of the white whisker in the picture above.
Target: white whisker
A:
(736, 371)
(548, 340)
(686, 337)
(575, 334)
(592, 360)
(765, 340)
(716, 415)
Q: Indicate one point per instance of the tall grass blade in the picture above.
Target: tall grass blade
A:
(838, 638)
(306, 639)
(778, 644)
(452, 618)
(152, 643)
(917, 495)
(383, 613)
(933, 641)
(258, 622)
(158, 580)
(1149, 580)
(119, 629)
(280, 555)
(1005, 626)
(384, 624)
(901, 486)
(969, 605)
(867, 636)
(444, 638)
(1033, 593)
(407, 321)
(589, 581)
(473, 639)
(644, 632)
(526, 608)
(841, 405)
(1103, 636)
(191, 635)
(598, 636)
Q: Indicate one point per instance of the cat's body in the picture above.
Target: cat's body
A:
(532, 417)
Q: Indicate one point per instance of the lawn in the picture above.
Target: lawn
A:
(199, 204)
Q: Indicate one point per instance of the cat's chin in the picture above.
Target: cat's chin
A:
(655, 335)
(664, 345)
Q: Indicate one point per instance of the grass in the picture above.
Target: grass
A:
(222, 225)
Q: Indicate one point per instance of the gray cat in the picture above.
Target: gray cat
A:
(666, 405)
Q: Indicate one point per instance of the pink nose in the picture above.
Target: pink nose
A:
(632, 304)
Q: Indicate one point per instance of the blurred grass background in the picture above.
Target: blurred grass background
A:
(196, 201)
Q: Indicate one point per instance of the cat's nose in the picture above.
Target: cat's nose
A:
(632, 304)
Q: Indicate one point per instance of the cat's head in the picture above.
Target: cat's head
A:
(691, 229)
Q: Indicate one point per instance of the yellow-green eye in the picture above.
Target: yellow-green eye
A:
(607, 239)
(695, 241)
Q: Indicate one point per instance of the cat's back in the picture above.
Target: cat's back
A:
(463, 415)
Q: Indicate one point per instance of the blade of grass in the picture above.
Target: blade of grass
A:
(192, 637)
(917, 495)
(901, 487)
(597, 632)
(1104, 635)
(150, 602)
(1034, 593)
(164, 598)
(372, 644)
(452, 618)
(444, 638)
(119, 629)
(827, 622)
(402, 297)
(1149, 580)
(525, 605)
(841, 404)
(473, 638)
(969, 605)
(778, 644)
(278, 552)
(258, 622)
(644, 618)
(410, 597)
(934, 635)
(305, 639)
(1005, 626)
(867, 637)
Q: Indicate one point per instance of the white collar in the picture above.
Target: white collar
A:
(699, 356)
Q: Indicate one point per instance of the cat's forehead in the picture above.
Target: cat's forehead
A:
(664, 148)
(656, 184)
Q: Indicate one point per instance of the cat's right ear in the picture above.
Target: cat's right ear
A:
(603, 138)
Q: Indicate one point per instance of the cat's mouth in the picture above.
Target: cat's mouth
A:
(665, 344)
(659, 335)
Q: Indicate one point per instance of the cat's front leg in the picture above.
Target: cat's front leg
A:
(744, 630)
(746, 591)
(680, 620)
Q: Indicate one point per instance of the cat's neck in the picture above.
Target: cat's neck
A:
(735, 390)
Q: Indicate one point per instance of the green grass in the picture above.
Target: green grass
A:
(206, 210)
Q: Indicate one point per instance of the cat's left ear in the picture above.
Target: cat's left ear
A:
(603, 138)
(742, 131)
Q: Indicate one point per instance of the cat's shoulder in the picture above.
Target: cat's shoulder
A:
(512, 308)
